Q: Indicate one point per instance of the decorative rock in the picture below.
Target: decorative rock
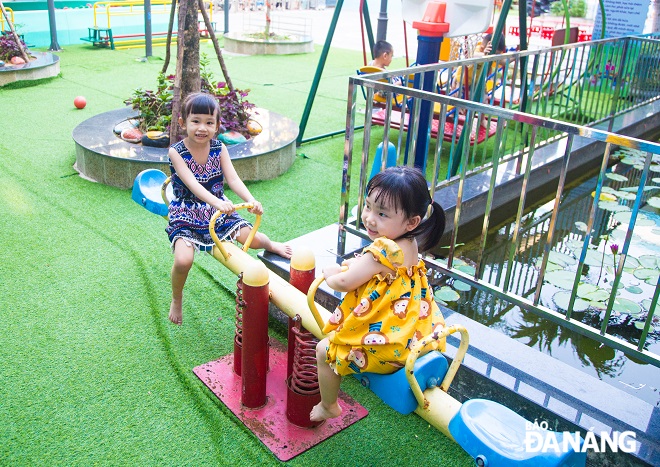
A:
(132, 135)
(232, 137)
(125, 125)
(17, 61)
(254, 127)
(157, 139)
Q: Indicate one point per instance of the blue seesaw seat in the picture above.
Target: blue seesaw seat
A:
(495, 436)
(394, 388)
(147, 191)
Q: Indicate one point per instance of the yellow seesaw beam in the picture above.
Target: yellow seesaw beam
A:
(436, 407)
(283, 295)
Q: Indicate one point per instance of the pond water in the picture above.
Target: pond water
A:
(636, 287)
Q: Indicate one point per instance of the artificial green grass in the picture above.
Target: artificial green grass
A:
(92, 371)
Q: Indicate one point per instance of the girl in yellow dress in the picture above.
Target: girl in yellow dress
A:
(389, 305)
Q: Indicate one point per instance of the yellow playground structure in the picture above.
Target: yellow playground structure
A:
(108, 14)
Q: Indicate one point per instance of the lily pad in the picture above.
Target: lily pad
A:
(616, 177)
(562, 279)
(461, 286)
(604, 196)
(635, 189)
(631, 263)
(640, 324)
(654, 202)
(655, 168)
(562, 299)
(599, 295)
(594, 258)
(581, 226)
(551, 266)
(466, 268)
(586, 289)
(641, 221)
(628, 307)
(646, 274)
(574, 245)
(561, 259)
(630, 160)
(656, 180)
(634, 289)
(648, 261)
(628, 196)
(612, 206)
(447, 294)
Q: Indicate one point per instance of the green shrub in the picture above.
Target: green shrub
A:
(576, 8)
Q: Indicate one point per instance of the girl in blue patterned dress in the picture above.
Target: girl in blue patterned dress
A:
(200, 165)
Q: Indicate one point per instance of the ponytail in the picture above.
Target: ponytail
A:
(429, 232)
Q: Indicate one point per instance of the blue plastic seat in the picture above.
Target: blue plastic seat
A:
(394, 389)
(147, 191)
(495, 436)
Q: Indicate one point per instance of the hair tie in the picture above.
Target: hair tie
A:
(429, 211)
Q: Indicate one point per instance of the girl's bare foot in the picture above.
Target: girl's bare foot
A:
(176, 311)
(285, 251)
(320, 412)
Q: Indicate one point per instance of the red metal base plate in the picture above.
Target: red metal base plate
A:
(269, 423)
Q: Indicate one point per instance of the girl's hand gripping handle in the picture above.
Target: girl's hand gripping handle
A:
(248, 241)
(310, 299)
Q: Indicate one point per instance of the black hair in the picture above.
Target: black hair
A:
(200, 103)
(501, 44)
(405, 189)
(382, 47)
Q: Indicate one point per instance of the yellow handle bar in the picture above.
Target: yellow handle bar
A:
(421, 349)
(215, 216)
(248, 241)
(310, 299)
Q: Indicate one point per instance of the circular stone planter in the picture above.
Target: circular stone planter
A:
(103, 157)
(44, 65)
(237, 42)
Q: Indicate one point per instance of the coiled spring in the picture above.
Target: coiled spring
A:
(304, 377)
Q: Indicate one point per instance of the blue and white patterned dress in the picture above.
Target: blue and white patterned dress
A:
(189, 216)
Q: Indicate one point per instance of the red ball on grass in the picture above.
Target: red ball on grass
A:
(80, 102)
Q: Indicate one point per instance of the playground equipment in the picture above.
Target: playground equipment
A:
(493, 434)
(101, 34)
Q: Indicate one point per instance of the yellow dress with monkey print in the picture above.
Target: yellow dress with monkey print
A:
(375, 326)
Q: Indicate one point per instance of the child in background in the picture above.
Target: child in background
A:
(200, 165)
(383, 54)
(389, 304)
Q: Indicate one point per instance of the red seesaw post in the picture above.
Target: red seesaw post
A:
(254, 355)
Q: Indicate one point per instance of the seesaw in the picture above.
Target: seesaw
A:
(491, 433)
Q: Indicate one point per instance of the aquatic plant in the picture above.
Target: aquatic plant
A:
(638, 271)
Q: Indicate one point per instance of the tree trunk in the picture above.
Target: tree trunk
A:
(186, 77)
(267, 31)
(190, 79)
